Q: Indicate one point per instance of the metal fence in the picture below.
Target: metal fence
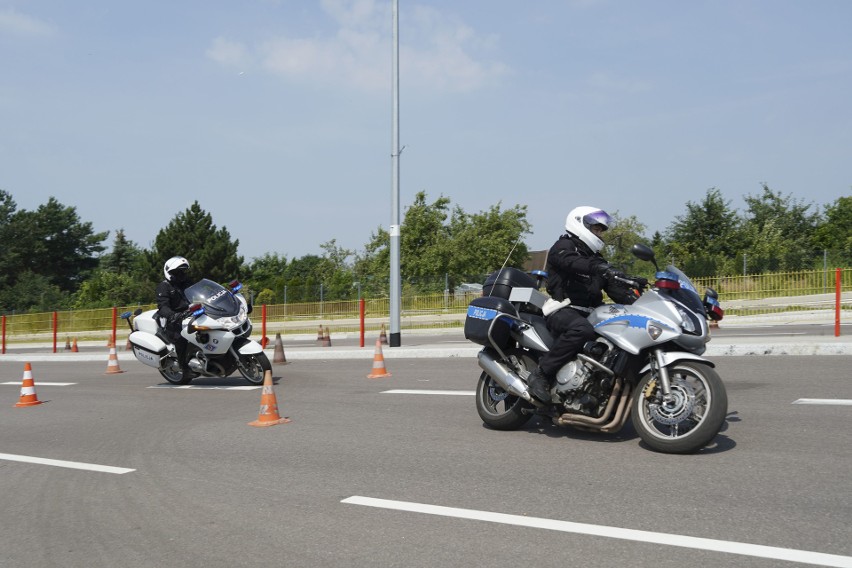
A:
(764, 294)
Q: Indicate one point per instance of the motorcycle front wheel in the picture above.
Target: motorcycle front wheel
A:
(693, 416)
(253, 367)
(498, 408)
(171, 371)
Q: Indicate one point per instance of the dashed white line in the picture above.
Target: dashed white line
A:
(433, 392)
(745, 549)
(68, 464)
(826, 401)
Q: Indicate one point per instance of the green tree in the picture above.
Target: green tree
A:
(424, 242)
(125, 256)
(435, 245)
(707, 238)
(619, 239)
(106, 288)
(191, 234)
(47, 253)
(834, 233)
(778, 232)
(481, 242)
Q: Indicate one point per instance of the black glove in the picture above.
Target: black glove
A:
(601, 268)
(642, 282)
(178, 317)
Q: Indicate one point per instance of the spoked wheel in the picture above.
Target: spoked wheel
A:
(693, 416)
(171, 371)
(498, 408)
(253, 367)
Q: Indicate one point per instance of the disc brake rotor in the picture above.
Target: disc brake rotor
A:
(497, 394)
(678, 409)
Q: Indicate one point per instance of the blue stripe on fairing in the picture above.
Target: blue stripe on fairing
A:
(637, 321)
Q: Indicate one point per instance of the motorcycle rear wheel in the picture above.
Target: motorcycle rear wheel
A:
(691, 420)
(172, 372)
(499, 409)
(253, 367)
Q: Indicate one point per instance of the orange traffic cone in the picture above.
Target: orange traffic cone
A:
(112, 364)
(326, 340)
(379, 369)
(383, 337)
(28, 393)
(268, 405)
(74, 346)
(320, 336)
(128, 346)
(278, 354)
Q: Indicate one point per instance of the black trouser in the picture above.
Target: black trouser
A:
(571, 330)
(180, 344)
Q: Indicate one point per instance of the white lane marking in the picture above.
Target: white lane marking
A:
(788, 554)
(828, 401)
(40, 384)
(201, 387)
(68, 464)
(426, 391)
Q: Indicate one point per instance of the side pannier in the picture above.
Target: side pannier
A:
(481, 312)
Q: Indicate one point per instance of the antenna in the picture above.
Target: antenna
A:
(508, 256)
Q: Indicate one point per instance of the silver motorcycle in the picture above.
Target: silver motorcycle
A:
(646, 361)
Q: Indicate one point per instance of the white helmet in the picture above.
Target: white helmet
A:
(175, 263)
(580, 221)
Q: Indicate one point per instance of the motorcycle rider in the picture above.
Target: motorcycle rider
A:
(576, 275)
(172, 305)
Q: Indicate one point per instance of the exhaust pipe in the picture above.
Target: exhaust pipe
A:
(506, 378)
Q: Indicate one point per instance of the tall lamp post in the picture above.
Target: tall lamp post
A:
(394, 339)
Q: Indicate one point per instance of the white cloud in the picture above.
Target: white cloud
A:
(16, 23)
(437, 53)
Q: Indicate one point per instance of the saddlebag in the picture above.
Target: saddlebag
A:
(482, 313)
(147, 348)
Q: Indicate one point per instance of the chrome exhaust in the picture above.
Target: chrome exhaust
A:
(505, 377)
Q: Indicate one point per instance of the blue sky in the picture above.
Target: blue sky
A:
(276, 114)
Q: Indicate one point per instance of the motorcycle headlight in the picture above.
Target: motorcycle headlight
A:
(238, 319)
(654, 331)
(687, 324)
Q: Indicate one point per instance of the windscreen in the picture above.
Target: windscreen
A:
(218, 301)
(687, 294)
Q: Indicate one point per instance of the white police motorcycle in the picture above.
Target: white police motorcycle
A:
(217, 331)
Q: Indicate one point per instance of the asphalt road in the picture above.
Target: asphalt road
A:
(350, 480)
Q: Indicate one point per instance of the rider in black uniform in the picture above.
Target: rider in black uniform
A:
(576, 272)
(172, 305)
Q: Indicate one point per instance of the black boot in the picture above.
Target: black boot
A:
(539, 385)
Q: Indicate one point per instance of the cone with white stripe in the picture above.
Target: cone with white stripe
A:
(28, 392)
(268, 415)
(112, 364)
(379, 369)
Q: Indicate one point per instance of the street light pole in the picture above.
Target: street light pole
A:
(394, 339)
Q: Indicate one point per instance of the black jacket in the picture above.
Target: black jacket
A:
(171, 301)
(573, 272)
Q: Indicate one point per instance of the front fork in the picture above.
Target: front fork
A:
(661, 373)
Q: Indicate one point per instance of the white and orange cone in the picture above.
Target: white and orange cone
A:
(112, 364)
(379, 369)
(268, 415)
(28, 392)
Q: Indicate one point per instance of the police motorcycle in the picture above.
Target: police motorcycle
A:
(646, 361)
(217, 330)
